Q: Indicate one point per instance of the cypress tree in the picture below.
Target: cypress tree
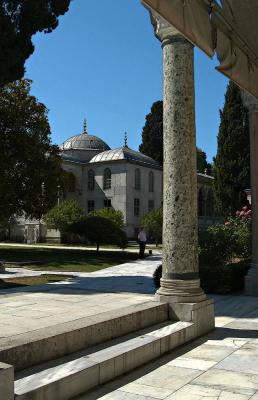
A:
(152, 139)
(232, 162)
(152, 133)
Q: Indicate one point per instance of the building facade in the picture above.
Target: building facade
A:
(122, 178)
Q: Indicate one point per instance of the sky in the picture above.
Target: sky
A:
(103, 63)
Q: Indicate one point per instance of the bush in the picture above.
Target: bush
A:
(62, 216)
(220, 279)
(220, 244)
(153, 223)
(215, 245)
(242, 236)
(157, 275)
(223, 279)
(99, 230)
(220, 247)
(113, 215)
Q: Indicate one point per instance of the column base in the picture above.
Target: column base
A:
(251, 281)
(180, 291)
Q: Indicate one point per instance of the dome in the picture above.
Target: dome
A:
(84, 141)
(124, 153)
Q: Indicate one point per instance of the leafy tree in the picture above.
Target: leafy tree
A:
(152, 133)
(232, 162)
(30, 166)
(62, 216)
(152, 138)
(202, 163)
(99, 230)
(153, 222)
(19, 21)
(111, 214)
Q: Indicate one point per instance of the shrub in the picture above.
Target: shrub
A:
(153, 223)
(220, 279)
(220, 244)
(157, 275)
(215, 245)
(99, 230)
(242, 236)
(223, 279)
(62, 216)
(113, 215)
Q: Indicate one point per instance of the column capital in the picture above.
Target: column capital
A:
(164, 31)
(250, 102)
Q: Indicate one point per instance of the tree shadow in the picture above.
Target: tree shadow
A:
(92, 285)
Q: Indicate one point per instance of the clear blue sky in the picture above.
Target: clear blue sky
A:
(104, 63)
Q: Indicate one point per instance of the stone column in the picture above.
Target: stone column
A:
(251, 280)
(180, 280)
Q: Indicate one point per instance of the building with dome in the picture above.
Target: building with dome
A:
(122, 178)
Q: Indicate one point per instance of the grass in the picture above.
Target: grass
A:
(31, 281)
(130, 246)
(50, 259)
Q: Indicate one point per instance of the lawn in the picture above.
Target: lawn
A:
(50, 259)
(11, 283)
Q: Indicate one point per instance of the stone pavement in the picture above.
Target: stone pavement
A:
(24, 310)
(223, 365)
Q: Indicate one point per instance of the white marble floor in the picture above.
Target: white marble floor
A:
(23, 310)
(222, 365)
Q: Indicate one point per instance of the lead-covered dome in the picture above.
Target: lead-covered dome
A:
(84, 141)
(81, 148)
(125, 153)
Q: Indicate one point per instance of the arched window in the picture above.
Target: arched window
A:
(201, 203)
(71, 183)
(137, 179)
(151, 181)
(91, 180)
(107, 179)
(210, 204)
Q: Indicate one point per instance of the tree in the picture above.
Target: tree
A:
(111, 214)
(152, 138)
(202, 163)
(19, 21)
(152, 133)
(99, 230)
(232, 162)
(30, 166)
(62, 216)
(153, 222)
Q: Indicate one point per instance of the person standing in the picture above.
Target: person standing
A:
(142, 242)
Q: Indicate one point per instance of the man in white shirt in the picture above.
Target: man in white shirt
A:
(142, 242)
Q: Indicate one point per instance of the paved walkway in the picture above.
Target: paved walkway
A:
(24, 310)
(222, 365)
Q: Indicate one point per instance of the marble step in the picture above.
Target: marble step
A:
(99, 365)
(45, 344)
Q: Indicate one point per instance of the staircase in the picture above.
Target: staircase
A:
(67, 364)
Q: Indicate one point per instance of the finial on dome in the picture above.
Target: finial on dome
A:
(125, 140)
(85, 126)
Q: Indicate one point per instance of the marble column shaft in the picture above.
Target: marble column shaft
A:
(180, 258)
(180, 279)
(251, 281)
